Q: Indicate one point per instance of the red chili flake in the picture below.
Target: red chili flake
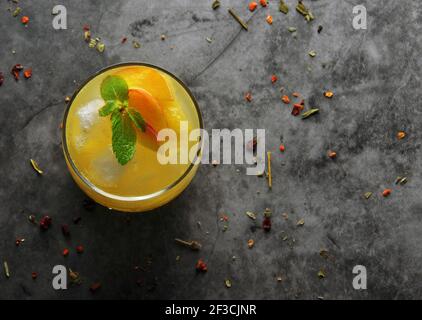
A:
(386, 192)
(65, 230)
(79, 249)
(295, 94)
(86, 27)
(19, 241)
(266, 223)
(17, 68)
(248, 96)
(65, 252)
(252, 6)
(45, 222)
(201, 266)
(124, 39)
(224, 218)
(285, 99)
(263, 3)
(282, 148)
(1, 78)
(274, 78)
(34, 275)
(25, 19)
(27, 73)
(95, 286)
(298, 107)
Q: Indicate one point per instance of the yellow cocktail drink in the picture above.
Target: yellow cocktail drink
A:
(111, 171)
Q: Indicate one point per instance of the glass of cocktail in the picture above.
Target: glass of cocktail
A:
(111, 134)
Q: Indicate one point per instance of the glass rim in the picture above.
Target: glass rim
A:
(92, 186)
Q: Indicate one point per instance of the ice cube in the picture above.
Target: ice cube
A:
(88, 114)
(105, 169)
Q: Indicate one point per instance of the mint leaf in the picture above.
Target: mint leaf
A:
(114, 88)
(123, 137)
(108, 108)
(137, 119)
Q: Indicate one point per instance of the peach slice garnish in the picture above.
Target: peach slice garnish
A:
(152, 112)
(148, 79)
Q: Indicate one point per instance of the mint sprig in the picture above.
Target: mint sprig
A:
(124, 120)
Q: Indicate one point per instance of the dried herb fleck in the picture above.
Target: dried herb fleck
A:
(238, 19)
(17, 11)
(35, 166)
(312, 53)
(251, 215)
(304, 11)
(309, 113)
(367, 195)
(100, 47)
(301, 222)
(6, 269)
(216, 4)
(228, 283)
(193, 245)
(282, 6)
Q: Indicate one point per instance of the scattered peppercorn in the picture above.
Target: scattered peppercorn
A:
(285, 99)
(201, 266)
(386, 192)
(17, 68)
(25, 20)
(34, 275)
(328, 94)
(298, 107)
(124, 39)
(332, 154)
(401, 135)
(266, 224)
(27, 73)
(251, 243)
(252, 6)
(1, 78)
(65, 252)
(248, 96)
(319, 29)
(45, 222)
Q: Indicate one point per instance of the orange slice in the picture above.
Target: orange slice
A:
(148, 79)
(149, 108)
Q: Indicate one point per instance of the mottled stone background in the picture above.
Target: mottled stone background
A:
(375, 75)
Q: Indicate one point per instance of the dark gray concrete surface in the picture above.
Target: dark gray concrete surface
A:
(375, 75)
